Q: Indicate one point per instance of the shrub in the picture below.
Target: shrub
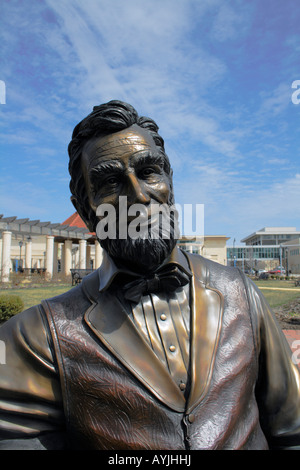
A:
(10, 305)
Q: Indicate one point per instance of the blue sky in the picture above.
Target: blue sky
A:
(215, 75)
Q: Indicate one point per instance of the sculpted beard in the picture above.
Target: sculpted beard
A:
(150, 248)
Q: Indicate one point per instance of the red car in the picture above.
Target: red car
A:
(277, 271)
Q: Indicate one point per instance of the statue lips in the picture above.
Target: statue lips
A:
(140, 219)
(136, 223)
(144, 215)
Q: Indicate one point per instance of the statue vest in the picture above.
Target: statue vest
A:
(112, 402)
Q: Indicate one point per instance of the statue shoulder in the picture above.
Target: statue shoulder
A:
(27, 335)
(206, 269)
(75, 301)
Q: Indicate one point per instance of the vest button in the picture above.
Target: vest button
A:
(172, 348)
(191, 418)
(182, 386)
(163, 317)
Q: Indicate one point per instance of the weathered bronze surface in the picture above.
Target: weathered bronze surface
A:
(202, 365)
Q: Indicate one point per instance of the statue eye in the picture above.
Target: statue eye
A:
(147, 172)
(112, 181)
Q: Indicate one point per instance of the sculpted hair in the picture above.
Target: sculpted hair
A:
(105, 119)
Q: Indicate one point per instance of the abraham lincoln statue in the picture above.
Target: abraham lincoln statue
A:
(157, 349)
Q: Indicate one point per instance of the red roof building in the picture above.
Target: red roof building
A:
(75, 221)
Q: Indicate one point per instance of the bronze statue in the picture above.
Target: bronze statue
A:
(158, 349)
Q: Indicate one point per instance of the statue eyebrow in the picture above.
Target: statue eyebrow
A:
(105, 168)
(116, 167)
(147, 158)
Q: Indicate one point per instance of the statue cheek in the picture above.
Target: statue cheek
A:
(161, 192)
(100, 200)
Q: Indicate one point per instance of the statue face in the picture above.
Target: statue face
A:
(126, 163)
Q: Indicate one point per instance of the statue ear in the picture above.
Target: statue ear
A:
(86, 217)
(78, 208)
(74, 202)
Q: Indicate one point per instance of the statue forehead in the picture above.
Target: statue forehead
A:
(130, 140)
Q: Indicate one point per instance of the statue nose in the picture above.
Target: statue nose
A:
(136, 192)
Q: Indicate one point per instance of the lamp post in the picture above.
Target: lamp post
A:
(20, 245)
(280, 258)
(234, 257)
(287, 261)
(28, 260)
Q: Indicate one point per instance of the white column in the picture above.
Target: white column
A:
(28, 250)
(62, 258)
(82, 254)
(76, 258)
(88, 256)
(68, 257)
(98, 254)
(55, 258)
(0, 256)
(6, 246)
(49, 255)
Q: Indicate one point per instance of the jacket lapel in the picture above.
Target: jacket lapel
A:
(207, 310)
(111, 324)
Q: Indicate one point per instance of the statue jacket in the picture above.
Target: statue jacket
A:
(78, 374)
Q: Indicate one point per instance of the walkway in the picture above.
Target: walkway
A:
(294, 289)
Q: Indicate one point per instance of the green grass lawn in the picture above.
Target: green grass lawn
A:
(33, 295)
(278, 297)
(275, 283)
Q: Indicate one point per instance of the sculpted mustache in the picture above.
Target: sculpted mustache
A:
(145, 213)
(144, 252)
(138, 221)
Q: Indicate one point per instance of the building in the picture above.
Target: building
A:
(292, 255)
(264, 249)
(209, 246)
(52, 248)
(271, 236)
(36, 246)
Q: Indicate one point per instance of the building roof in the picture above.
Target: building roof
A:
(74, 221)
(273, 231)
(26, 227)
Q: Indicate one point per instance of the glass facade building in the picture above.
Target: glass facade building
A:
(254, 252)
(265, 248)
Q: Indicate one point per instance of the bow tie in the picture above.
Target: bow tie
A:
(167, 279)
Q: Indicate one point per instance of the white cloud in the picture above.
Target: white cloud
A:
(175, 62)
(34, 200)
(236, 201)
(231, 21)
(275, 100)
(135, 49)
(277, 161)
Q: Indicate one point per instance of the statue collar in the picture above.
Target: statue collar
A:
(109, 270)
